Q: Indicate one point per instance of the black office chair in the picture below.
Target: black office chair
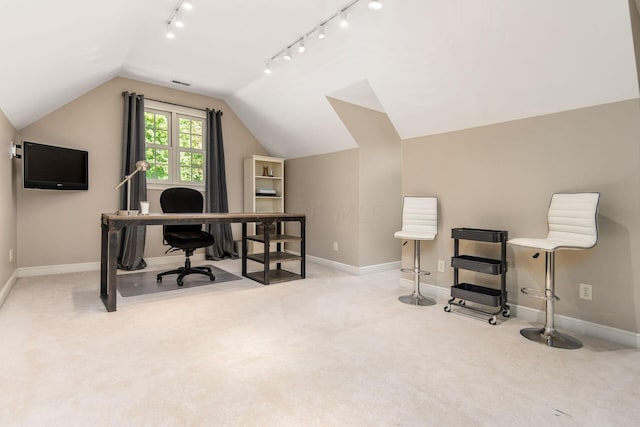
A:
(184, 237)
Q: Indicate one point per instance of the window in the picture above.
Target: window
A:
(174, 145)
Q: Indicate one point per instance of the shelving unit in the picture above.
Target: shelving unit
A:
(271, 260)
(479, 294)
(263, 189)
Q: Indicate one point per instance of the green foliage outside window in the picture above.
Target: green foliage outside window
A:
(189, 147)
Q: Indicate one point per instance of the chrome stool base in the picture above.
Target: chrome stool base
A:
(416, 299)
(551, 338)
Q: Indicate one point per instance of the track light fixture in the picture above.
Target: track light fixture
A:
(175, 18)
(344, 23)
(318, 30)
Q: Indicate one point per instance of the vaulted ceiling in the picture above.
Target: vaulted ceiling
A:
(432, 65)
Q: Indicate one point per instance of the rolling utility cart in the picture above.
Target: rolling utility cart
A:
(483, 295)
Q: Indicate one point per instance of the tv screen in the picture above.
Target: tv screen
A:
(54, 168)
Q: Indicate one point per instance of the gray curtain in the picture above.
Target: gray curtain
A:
(216, 190)
(131, 239)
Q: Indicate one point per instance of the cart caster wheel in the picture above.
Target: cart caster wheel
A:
(462, 302)
(212, 277)
(159, 279)
(180, 283)
(493, 320)
(506, 313)
(447, 308)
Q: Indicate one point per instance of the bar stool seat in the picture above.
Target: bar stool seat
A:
(419, 222)
(572, 222)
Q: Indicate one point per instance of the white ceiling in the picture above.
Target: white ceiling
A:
(432, 65)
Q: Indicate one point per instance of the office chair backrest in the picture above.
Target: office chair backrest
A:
(573, 217)
(181, 200)
(420, 214)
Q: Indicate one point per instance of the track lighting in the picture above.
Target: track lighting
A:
(318, 30)
(176, 17)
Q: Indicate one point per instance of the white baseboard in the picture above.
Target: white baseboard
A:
(95, 266)
(351, 269)
(6, 288)
(607, 333)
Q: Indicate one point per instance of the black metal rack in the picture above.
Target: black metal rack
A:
(478, 294)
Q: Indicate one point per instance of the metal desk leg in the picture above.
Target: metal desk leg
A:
(245, 248)
(302, 247)
(108, 268)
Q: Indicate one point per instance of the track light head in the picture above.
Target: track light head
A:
(267, 67)
(375, 4)
(301, 47)
(344, 23)
(187, 5)
(287, 54)
(321, 34)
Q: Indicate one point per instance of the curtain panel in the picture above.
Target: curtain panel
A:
(216, 190)
(132, 239)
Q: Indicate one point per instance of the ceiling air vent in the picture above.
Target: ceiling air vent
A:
(181, 83)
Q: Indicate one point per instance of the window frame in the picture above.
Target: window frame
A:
(176, 112)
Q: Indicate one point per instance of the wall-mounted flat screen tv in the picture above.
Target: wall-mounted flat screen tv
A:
(54, 168)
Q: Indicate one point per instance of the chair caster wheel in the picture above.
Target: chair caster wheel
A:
(447, 308)
(159, 279)
(493, 320)
(180, 283)
(506, 313)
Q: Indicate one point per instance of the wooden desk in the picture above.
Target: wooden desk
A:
(112, 223)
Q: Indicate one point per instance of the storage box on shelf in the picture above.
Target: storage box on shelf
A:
(479, 294)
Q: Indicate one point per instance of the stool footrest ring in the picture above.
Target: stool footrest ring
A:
(538, 293)
(413, 271)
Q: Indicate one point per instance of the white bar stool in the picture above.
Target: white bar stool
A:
(572, 225)
(419, 222)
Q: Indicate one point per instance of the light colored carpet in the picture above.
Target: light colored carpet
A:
(331, 350)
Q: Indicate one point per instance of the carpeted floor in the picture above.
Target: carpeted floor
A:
(331, 350)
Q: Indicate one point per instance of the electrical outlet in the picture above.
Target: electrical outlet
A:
(441, 266)
(586, 291)
(335, 246)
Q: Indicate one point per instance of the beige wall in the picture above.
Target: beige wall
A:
(325, 188)
(57, 227)
(379, 182)
(502, 177)
(351, 197)
(8, 235)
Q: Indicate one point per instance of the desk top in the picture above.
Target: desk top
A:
(115, 221)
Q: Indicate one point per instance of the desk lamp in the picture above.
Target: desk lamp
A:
(141, 165)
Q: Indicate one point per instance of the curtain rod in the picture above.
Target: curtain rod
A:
(178, 105)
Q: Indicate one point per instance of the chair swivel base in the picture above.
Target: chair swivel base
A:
(183, 272)
(551, 338)
(416, 299)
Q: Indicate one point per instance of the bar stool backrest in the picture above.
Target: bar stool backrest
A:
(573, 218)
(420, 215)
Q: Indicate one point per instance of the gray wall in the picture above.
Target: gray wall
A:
(502, 177)
(8, 225)
(57, 227)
